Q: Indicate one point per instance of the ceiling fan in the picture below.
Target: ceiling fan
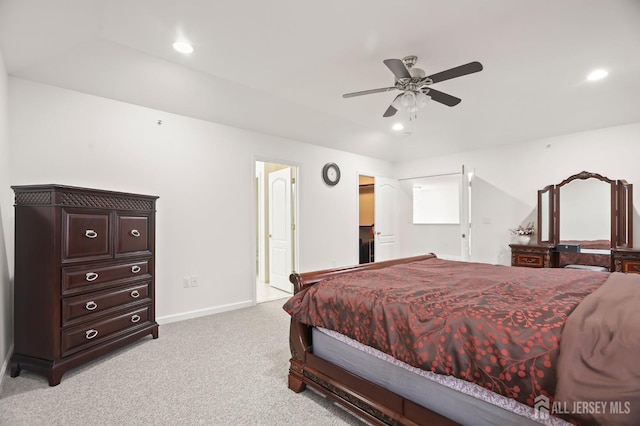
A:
(415, 85)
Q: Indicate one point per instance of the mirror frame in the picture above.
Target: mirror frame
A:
(550, 212)
(625, 214)
(612, 210)
(621, 210)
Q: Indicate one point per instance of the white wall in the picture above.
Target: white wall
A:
(507, 178)
(6, 229)
(438, 234)
(204, 175)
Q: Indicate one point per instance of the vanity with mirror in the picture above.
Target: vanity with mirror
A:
(584, 222)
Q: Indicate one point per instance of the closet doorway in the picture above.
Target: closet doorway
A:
(276, 247)
(378, 230)
(366, 212)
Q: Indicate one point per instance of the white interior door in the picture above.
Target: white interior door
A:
(465, 215)
(280, 246)
(386, 227)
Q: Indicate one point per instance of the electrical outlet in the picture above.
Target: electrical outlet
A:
(195, 281)
(186, 282)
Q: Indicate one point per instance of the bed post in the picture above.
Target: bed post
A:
(299, 344)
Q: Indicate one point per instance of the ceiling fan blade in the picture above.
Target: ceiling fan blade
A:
(443, 98)
(397, 68)
(391, 111)
(368, 92)
(465, 69)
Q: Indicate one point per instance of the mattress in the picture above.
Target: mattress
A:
(459, 400)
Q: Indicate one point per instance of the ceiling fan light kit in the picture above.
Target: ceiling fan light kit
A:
(415, 86)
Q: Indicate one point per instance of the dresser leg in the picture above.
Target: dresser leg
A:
(55, 376)
(15, 369)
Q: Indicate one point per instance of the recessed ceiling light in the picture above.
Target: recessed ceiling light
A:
(397, 127)
(183, 47)
(597, 75)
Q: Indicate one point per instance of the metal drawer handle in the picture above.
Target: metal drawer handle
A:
(91, 305)
(135, 232)
(529, 260)
(90, 334)
(135, 269)
(135, 318)
(90, 233)
(135, 294)
(91, 276)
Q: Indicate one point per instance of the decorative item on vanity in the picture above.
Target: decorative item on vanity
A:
(523, 234)
(84, 275)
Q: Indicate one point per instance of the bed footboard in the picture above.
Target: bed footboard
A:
(373, 403)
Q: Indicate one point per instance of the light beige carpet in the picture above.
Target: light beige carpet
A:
(224, 369)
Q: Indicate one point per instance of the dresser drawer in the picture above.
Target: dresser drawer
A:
(83, 307)
(88, 278)
(86, 235)
(132, 234)
(530, 260)
(92, 333)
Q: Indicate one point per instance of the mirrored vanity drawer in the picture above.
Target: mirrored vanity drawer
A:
(529, 260)
(626, 260)
(630, 266)
(532, 256)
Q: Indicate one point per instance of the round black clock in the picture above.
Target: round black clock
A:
(331, 174)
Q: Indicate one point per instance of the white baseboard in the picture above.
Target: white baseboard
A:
(5, 364)
(203, 312)
(449, 257)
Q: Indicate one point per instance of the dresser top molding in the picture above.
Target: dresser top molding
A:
(72, 196)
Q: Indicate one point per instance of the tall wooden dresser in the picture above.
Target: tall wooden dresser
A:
(84, 275)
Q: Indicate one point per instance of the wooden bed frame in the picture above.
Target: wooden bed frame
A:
(367, 400)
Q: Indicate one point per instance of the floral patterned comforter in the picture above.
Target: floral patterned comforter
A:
(497, 326)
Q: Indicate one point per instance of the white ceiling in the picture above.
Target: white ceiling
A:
(281, 66)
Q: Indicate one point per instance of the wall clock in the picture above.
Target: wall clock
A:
(331, 174)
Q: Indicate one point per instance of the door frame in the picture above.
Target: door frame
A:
(295, 202)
